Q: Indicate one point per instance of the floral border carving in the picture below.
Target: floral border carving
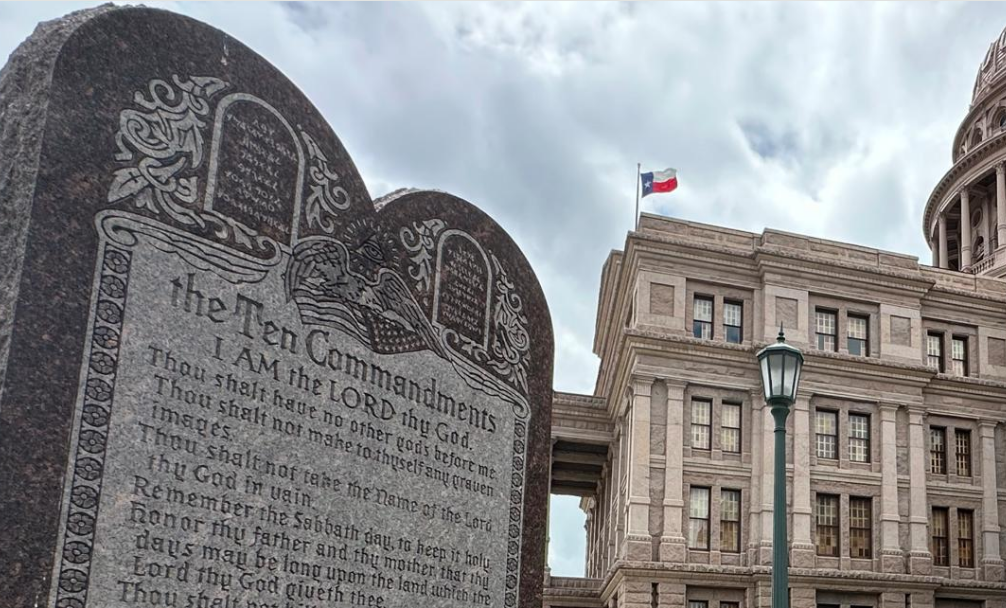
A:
(92, 432)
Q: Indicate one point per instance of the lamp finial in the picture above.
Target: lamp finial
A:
(782, 336)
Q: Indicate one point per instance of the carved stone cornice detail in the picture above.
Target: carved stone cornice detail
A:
(625, 568)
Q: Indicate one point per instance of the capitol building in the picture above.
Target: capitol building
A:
(897, 442)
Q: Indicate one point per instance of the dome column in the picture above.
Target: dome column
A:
(943, 241)
(965, 230)
(1001, 203)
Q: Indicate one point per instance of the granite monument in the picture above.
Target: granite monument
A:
(230, 378)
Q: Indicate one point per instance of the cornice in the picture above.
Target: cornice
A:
(934, 296)
(577, 400)
(955, 386)
(622, 569)
(667, 239)
(761, 250)
(764, 260)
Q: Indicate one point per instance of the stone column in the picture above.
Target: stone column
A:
(942, 224)
(965, 230)
(986, 217)
(638, 528)
(919, 558)
(934, 247)
(803, 546)
(992, 563)
(589, 525)
(673, 547)
(891, 556)
(1001, 203)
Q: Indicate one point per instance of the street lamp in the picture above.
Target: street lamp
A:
(780, 373)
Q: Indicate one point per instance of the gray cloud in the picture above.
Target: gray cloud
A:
(828, 119)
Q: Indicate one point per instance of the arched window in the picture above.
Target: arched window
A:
(1001, 119)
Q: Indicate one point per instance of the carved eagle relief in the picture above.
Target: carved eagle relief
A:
(374, 306)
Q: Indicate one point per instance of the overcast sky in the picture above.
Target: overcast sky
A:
(833, 120)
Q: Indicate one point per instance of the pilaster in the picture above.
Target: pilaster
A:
(671, 595)
(767, 485)
(638, 545)
(803, 546)
(992, 563)
(802, 597)
(617, 487)
(892, 558)
(673, 547)
(920, 560)
(758, 409)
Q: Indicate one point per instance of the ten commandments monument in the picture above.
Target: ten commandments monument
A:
(230, 379)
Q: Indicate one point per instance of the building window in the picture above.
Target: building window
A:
(826, 429)
(940, 548)
(733, 314)
(966, 538)
(826, 514)
(859, 438)
(730, 605)
(731, 428)
(962, 449)
(860, 527)
(934, 350)
(937, 450)
(730, 521)
(826, 323)
(698, 604)
(701, 423)
(702, 326)
(698, 522)
(959, 355)
(859, 336)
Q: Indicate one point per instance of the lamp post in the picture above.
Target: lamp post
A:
(780, 372)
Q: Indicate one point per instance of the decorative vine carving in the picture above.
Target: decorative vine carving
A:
(421, 241)
(512, 341)
(167, 146)
(324, 193)
(166, 141)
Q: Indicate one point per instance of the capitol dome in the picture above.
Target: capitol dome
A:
(965, 218)
(992, 69)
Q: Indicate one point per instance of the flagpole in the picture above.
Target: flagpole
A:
(638, 168)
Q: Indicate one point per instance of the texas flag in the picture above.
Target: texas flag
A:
(659, 181)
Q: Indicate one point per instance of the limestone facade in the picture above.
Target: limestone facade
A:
(885, 434)
(896, 461)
